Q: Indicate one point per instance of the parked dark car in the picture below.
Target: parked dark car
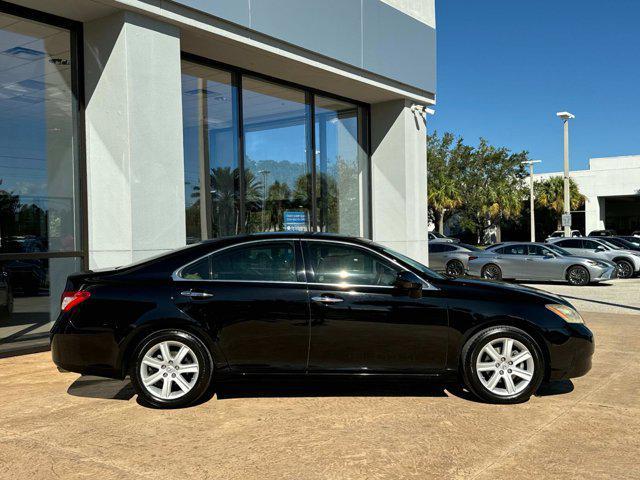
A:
(621, 242)
(603, 233)
(311, 304)
(635, 240)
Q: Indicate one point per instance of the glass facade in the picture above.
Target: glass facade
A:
(40, 239)
(289, 159)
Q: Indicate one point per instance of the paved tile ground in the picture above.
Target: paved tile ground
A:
(55, 425)
(612, 296)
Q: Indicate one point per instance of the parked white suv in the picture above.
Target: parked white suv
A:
(560, 234)
(628, 261)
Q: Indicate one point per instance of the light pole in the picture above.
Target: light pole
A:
(566, 116)
(533, 215)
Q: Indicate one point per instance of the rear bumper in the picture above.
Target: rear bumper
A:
(85, 352)
(572, 358)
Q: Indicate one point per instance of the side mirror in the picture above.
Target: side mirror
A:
(600, 248)
(410, 283)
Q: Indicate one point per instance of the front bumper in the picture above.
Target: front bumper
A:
(573, 357)
(600, 274)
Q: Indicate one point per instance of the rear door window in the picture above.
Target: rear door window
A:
(257, 262)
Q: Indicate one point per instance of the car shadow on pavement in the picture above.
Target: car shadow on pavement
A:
(106, 388)
(89, 386)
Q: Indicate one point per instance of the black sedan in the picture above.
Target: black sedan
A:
(311, 304)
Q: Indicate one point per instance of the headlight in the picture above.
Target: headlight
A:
(568, 314)
(595, 264)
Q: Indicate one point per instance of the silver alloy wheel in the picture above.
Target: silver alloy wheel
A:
(169, 370)
(505, 366)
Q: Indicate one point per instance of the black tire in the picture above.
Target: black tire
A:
(473, 348)
(625, 268)
(578, 276)
(202, 382)
(455, 268)
(491, 271)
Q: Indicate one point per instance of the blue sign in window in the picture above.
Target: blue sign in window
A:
(296, 221)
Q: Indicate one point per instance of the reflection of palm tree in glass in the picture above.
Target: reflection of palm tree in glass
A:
(253, 201)
(225, 200)
(278, 200)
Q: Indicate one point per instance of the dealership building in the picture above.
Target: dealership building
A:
(611, 187)
(132, 127)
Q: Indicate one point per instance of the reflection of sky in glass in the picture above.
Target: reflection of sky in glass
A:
(30, 94)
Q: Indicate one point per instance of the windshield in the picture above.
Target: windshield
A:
(437, 235)
(620, 242)
(609, 244)
(557, 249)
(417, 265)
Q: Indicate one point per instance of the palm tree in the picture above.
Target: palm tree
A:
(550, 194)
(443, 189)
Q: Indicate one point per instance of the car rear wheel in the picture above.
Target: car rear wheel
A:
(625, 269)
(491, 272)
(578, 276)
(502, 365)
(455, 268)
(171, 368)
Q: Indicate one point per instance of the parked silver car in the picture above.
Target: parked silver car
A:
(628, 261)
(538, 261)
(451, 258)
(438, 237)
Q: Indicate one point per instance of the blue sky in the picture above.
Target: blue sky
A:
(505, 67)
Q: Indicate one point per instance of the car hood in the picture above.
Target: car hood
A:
(497, 286)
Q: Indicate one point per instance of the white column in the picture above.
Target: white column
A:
(399, 178)
(134, 139)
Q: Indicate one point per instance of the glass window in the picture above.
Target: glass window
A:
(277, 175)
(590, 244)
(265, 262)
(38, 179)
(342, 264)
(341, 167)
(449, 248)
(199, 270)
(436, 248)
(39, 214)
(515, 250)
(287, 160)
(212, 180)
(570, 243)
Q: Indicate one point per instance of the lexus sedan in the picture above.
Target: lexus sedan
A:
(628, 261)
(450, 258)
(310, 304)
(537, 261)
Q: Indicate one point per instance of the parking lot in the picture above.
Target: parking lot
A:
(60, 425)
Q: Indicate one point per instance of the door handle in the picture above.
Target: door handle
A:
(327, 299)
(192, 294)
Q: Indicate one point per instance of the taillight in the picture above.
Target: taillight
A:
(472, 257)
(71, 299)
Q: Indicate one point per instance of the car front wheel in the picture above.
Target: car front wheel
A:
(502, 365)
(171, 368)
(578, 276)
